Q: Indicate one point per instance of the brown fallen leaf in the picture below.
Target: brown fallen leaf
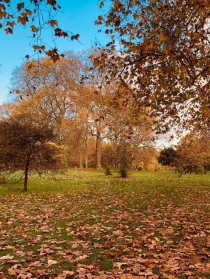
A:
(81, 258)
(25, 276)
(14, 270)
(7, 257)
(51, 262)
(65, 274)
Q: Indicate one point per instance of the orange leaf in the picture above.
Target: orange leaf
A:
(8, 30)
(11, 23)
(52, 2)
(23, 19)
(53, 23)
(20, 6)
(2, 14)
(75, 37)
(34, 28)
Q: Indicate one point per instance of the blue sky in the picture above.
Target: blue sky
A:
(76, 16)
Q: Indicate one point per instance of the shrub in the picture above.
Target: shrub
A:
(108, 170)
(123, 171)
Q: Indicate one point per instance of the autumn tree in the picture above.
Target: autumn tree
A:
(193, 153)
(53, 86)
(28, 143)
(91, 107)
(99, 94)
(109, 156)
(60, 94)
(146, 159)
(98, 113)
(129, 128)
(79, 142)
(84, 123)
(161, 48)
(168, 157)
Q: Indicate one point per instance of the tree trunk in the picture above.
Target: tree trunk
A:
(98, 150)
(26, 175)
(123, 162)
(80, 160)
(80, 154)
(86, 153)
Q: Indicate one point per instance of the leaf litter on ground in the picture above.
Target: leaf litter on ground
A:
(121, 229)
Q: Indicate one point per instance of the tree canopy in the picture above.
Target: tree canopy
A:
(161, 49)
(193, 153)
(28, 142)
(168, 157)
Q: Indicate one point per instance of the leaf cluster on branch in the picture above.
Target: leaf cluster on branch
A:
(39, 15)
(161, 49)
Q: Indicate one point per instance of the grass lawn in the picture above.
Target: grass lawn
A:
(84, 224)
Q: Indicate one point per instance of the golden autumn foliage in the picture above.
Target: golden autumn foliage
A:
(193, 153)
(83, 113)
(161, 49)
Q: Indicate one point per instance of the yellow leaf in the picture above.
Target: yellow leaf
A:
(36, 47)
(161, 37)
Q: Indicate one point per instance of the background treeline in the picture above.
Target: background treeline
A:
(192, 154)
(62, 115)
(64, 107)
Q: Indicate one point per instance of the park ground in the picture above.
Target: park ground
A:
(85, 224)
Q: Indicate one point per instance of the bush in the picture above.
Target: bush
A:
(123, 171)
(108, 171)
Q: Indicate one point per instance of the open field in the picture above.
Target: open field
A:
(88, 225)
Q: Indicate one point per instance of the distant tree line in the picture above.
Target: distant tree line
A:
(192, 154)
(62, 115)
